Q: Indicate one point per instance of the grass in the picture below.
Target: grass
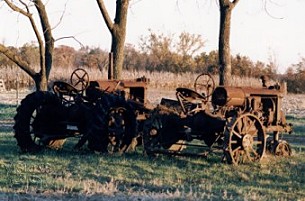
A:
(66, 174)
(7, 112)
(298, 124)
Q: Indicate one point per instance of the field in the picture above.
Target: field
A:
(82, 175)
(69, 175)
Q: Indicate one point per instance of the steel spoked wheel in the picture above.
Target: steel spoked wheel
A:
(204, 84)
(122, 129)
(282, 148)
(161, 134)
(245, 140)
(79, 79)
(151, 137)
(116, 128)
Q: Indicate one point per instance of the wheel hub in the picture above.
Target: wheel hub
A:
(247, 141)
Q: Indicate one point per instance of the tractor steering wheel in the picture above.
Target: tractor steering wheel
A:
(204, 84)
(79, 79)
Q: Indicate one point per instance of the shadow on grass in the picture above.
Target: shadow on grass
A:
(7, 113)
(298, 124)
(71, 171)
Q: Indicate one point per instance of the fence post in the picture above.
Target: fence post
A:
(17, 89)
(2, 85)
(110, 66)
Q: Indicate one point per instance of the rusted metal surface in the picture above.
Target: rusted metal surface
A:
(229, 96)
(104, 120)
(135, 89)
(244, 122)
(238, 119)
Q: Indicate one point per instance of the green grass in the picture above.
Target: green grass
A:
(138, 177)
(7, 112)
(298, 125)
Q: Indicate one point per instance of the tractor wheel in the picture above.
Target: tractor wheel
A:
(245, 140)
(96, 132)
(122, 128)
(161, 133)
(112, 131)
(26, 114)
(282, 148)
(151, 133)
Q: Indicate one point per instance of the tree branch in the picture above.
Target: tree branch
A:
(235, 2)
(61, 17)
(105, 14)
(17, 9)
(17, 60)
(33, 24)
(68, 37)
(268, 13)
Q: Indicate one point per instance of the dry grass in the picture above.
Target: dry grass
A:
(159, 80)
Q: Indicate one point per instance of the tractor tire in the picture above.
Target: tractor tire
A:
(98, 134)
(128, 142)
(24, 119)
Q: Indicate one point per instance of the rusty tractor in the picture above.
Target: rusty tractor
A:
(90, 111)
(114, 115)
(236, 120)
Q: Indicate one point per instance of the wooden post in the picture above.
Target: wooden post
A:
(110, 66)
(17, 89)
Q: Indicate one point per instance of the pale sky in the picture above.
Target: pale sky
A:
(254, 33)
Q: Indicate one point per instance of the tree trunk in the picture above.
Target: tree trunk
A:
(118, 33)
(47, 54)
(118, 36)
(41, 82)
(224, 54)
(48, 38)
(117, 47)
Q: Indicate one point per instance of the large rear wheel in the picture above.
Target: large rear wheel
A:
(27, 138)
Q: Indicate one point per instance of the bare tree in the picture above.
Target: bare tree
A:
(46, 43)
(118, 32)
(226, 7)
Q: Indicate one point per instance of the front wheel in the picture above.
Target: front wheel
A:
(282, 148)
(245, 140)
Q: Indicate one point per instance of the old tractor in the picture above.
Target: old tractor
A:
(108, 115)
(236, 120)
(97, 112)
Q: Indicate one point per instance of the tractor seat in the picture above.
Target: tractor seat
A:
(190, 95)
(63, 88)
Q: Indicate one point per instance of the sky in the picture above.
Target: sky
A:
(276, 33)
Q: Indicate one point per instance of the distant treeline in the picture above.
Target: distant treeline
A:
(161, 53)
